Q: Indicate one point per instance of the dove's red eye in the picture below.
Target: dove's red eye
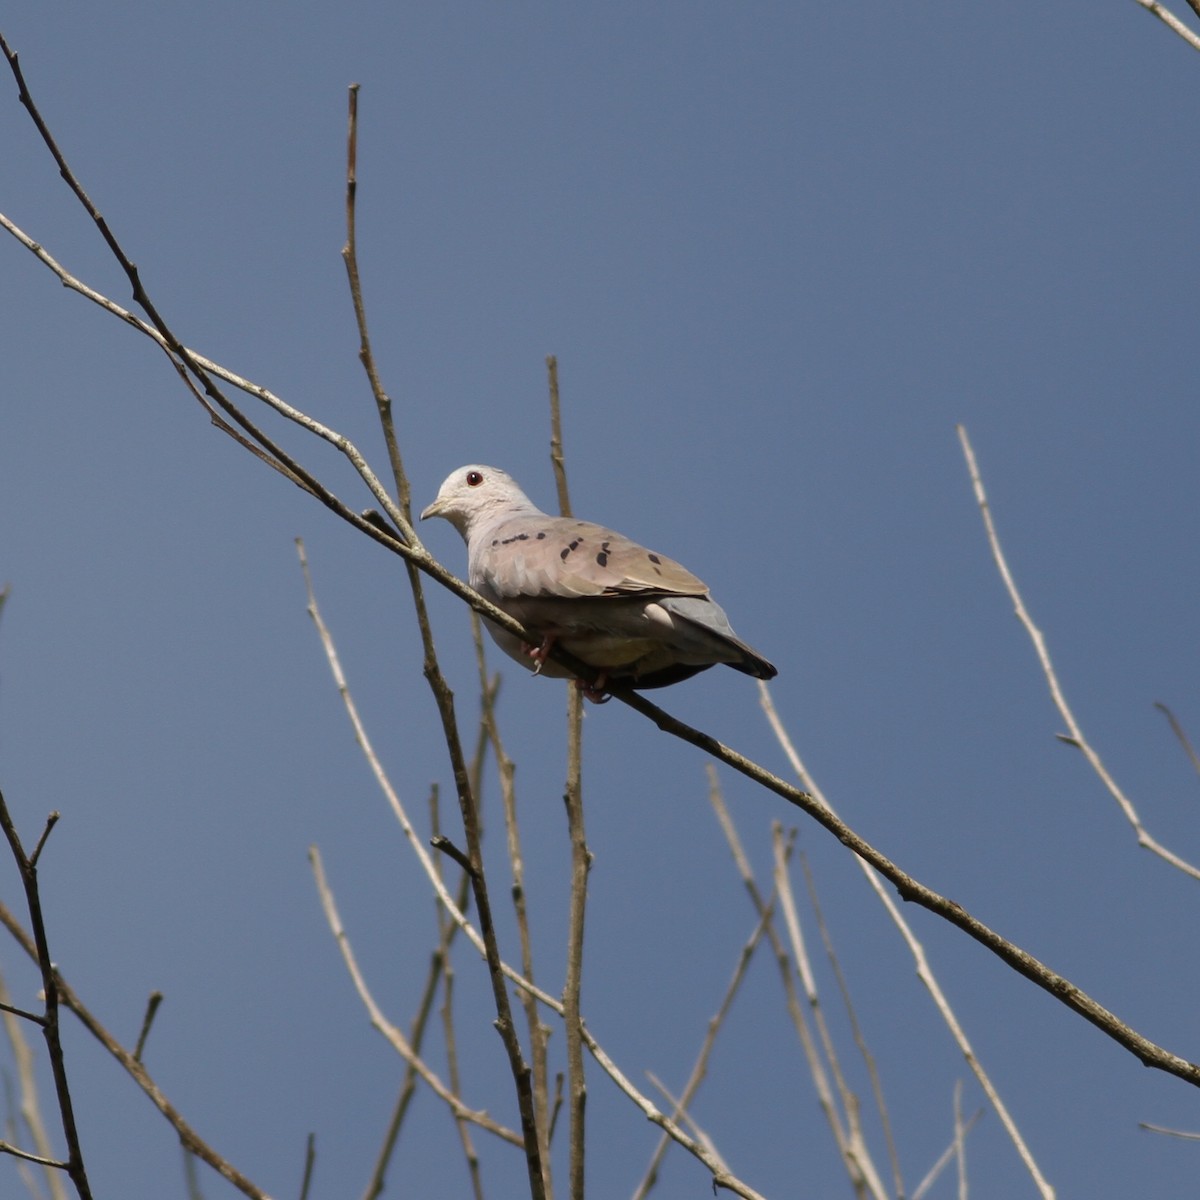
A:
(474, 478)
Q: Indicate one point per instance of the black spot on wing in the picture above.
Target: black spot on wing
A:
(569, 548)
(516, 537)
(602, 556)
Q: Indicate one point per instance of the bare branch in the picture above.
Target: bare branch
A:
(1178, 729)
(924, 970)
(1074, 733)
(1172, 22)
(27, 866)
(581, 858)
(190, 1140)
(156, 998)
(393, 1035)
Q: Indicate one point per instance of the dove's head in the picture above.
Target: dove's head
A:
(476, 495)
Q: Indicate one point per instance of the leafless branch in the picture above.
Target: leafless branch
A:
(946, 1157)
(152, 1004)
(700, 1066)
(924, 971)
(29, 1101)
(1074, 735)
(1172, 22)
(27, 865)
(1186, 1135)
(1178, 729)
(581, 859)
(190, 1140)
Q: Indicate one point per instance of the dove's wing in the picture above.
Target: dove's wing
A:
(541, 555)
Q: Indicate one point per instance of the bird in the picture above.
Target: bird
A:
(637, 617)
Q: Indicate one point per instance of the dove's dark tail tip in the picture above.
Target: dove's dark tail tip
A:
(754, 665)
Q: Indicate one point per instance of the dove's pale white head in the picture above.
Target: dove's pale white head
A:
(476, 495)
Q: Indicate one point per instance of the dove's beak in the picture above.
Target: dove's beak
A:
(434, 510)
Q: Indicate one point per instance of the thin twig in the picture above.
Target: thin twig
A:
(1186, 1135)
(783, 962)
(187, 1135)
(1176, 728)
(557, 460)
(856, 1156)
(700, 1066)
(856, 1029)
(539, 1032)
(26, 1156)
(391, 1032)
(310, 1162)
(30, 1103)
(1074, 735)
(581, 859)
(439, 966)
(946, 1157)
(191, 1177)
(152, 1004)
(464, 1129)
(24, 1014)
(27, 866)
(917, 950)
(721, 1177)
(1172, 22)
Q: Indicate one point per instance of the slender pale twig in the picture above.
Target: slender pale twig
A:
(30, 1103)
(464, 1129)
(1172, 22)
(26, 1156)
(856, 1155)
(856, 1029)
(700, 1066)
(946, 1157)
(1074, 735)
(446, 934)
(557, 461)
(808, 1045)
(539, 1032)
(191, 1177)
(678, 1106)
(439, 966)
(917, 950)
(391, 1032)
(581, 859)
(721, 1176)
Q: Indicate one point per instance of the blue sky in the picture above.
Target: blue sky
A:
(779, 251)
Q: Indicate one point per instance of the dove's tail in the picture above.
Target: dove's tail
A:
(752, 663)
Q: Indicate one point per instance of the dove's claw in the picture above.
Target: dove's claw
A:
(539, 654)
(595, 691)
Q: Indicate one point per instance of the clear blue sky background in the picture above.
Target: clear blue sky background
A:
(779, 250)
